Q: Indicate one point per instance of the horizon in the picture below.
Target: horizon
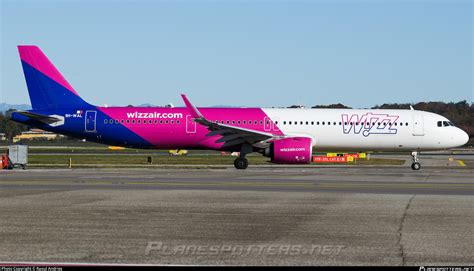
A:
(268, 54)
(3, 106)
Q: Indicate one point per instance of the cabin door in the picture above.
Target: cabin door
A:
(418, 126)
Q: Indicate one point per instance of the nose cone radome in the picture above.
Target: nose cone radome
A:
(464, 138)
(458, 138)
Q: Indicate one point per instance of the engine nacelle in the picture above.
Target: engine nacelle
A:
(293, 150)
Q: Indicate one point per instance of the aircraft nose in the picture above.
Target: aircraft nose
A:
(463, 137)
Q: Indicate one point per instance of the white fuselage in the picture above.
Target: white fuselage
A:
(369, 129)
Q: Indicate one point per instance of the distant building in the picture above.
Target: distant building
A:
(3, 137)
(36, 134)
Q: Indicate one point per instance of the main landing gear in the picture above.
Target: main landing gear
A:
(416, 164)
(241, 162)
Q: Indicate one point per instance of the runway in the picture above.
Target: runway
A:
(306, 216)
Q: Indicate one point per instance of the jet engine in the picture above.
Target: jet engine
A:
(292, 150)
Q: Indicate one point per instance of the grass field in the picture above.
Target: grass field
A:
(98, 156)
(87, 160)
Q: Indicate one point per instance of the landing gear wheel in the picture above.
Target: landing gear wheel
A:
(416, 166)
(241, 163)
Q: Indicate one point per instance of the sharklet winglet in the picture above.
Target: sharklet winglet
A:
(194, 111)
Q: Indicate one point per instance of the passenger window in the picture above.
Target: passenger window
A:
(166, 121)
(312, 123)
(317, 123)
(289, 122)
(105, 121)
(133, 121)
(177, 122)
(128, 121)
(245, 122)
(406, 123)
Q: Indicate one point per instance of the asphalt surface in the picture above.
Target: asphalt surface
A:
(262, 216)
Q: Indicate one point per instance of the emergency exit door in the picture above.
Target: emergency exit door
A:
(90, 125)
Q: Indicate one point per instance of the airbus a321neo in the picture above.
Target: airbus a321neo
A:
(287, 136)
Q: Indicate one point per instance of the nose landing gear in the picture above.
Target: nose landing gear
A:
(416, 164)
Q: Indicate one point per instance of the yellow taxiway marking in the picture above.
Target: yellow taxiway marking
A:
(461, 163)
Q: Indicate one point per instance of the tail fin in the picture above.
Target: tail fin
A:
(47, 87)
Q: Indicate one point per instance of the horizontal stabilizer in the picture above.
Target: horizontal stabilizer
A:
(39, 117)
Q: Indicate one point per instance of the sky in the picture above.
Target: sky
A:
(246, 53)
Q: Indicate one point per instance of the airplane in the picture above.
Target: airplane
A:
(286, 136)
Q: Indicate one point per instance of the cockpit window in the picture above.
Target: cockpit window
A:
(444, 123)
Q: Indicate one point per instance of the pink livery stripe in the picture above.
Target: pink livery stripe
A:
(33, 56)
(174, 126)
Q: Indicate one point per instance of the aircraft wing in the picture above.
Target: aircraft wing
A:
(231, 135)
(39, 117)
